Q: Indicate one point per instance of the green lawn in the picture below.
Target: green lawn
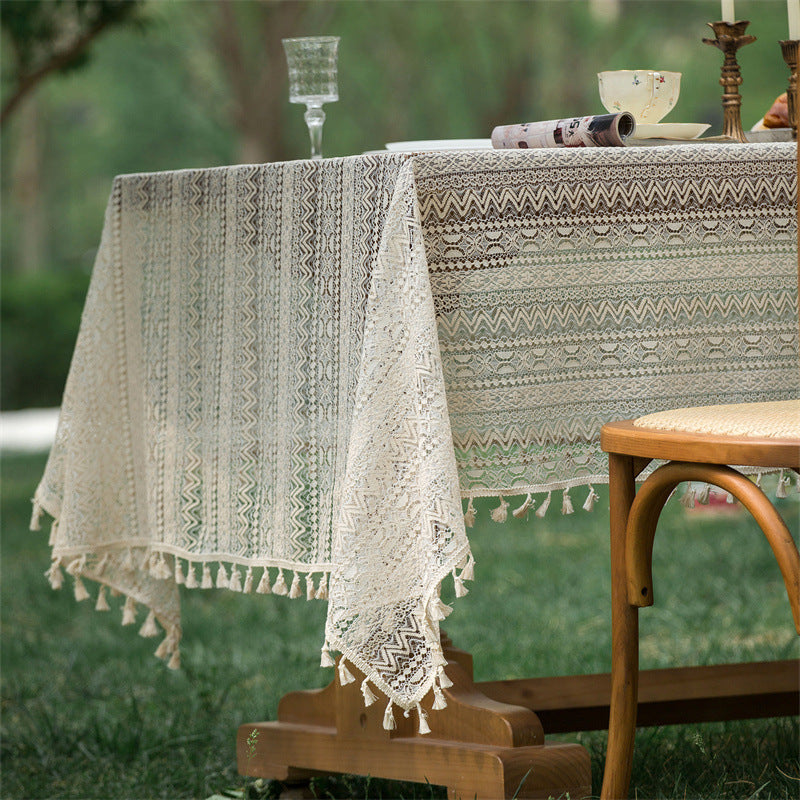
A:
(88, 712)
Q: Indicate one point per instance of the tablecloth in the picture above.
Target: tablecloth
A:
(288, 376)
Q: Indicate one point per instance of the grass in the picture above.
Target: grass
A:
(87, 712)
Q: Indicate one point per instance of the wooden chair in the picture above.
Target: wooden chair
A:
(692, 455)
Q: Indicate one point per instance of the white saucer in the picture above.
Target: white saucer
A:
(440, 144)
(670, 130)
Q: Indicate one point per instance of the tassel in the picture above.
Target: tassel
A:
(152, 565)
(440, 610)
(522, 511)
(127, 563)
(53, 533)
(687, 499)
(180, 579)
(310, 590)
(101, 565)
(369, 696)
(129, 611)
(702, 498)
(758, 480)
(423, 721)
(191, 578)
(729, 499)
(236, 580)
(797, 482)
(461, 590)
(222, 577)
(591, 499)
(102, 603)
(206, 583)
(542, 510)
(345, 676)
(388, 718)
(500, 514)
(326, 659)
(161, 570)
(36, 516)
(163, 648)
(322, 592)
(469, 514)
(438, 699)
(468, 573)
(149, 628)
(782, 484)
(248, 581)
(80, 590)
(444, 681)
(294, 592)
(279, 587)
(75, 567)
(175, 660)
(566, 503)
(263, 584)
(55, 575)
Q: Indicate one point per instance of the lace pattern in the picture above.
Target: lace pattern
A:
(301, 368)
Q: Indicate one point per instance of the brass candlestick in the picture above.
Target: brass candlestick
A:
(730, 36)
(789, 50)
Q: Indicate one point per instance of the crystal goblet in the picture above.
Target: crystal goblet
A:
(312, 64)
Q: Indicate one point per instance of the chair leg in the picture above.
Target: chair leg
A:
(624, 640)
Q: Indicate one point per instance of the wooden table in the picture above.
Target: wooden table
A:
(489, 742)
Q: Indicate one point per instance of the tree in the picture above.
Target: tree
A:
(51, 36)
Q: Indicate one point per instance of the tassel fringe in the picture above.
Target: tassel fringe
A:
(542, 510)
(469, 514)
(522, 511)
(206, 583)
(566, 503)
(369, 695)
(149, 628)
(783, 484)
(500, 514)
(235, 584)
(591, 499)
(36, 516)
(345, 676)
(102, 603)
(388, 718)
(279, 587)
(326, 659)
(248, 581)
(80, 590)
(263, 584)
(222, 577)
(423, 721)
(129, 611)
(444, 681)
(688, 497)
(294, 592)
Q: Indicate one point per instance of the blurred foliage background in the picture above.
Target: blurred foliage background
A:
(94, 88)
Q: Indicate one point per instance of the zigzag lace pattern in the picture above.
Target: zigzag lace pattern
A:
(302, 368)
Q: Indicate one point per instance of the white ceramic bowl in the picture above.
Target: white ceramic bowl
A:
(648, 94)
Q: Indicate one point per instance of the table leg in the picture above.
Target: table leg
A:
(477, 748)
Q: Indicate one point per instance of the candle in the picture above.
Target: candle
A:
(793, 7)
(728, 14)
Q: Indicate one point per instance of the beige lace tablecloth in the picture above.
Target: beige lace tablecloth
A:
(288, 376)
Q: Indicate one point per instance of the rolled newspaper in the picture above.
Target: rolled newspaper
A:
(604, 130)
